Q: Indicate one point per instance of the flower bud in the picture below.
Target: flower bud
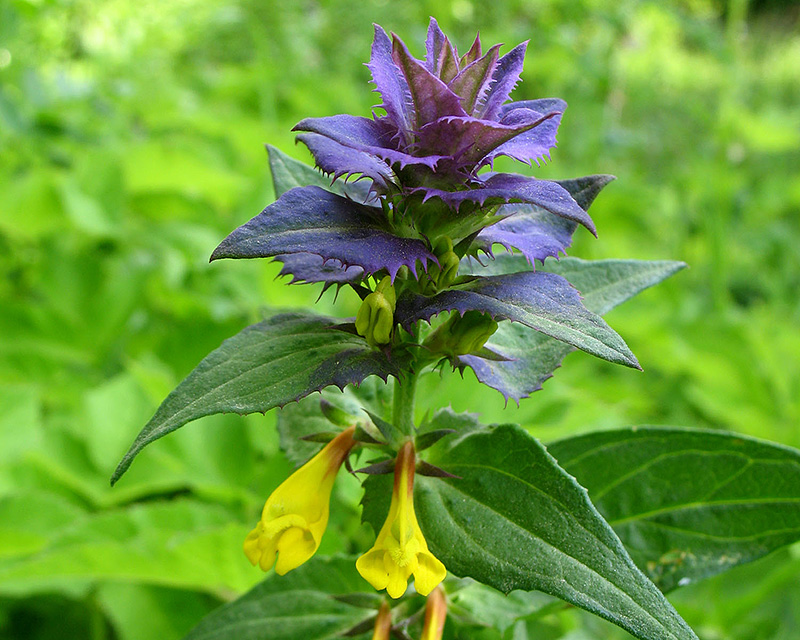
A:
(383, 623)
(335, 415)
(462, 334)
(375, 319)
(435, 614)
(446, 271)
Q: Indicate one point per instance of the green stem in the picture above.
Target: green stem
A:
(405, 390)
(403, 409)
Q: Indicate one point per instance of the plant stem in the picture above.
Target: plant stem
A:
(403, 409)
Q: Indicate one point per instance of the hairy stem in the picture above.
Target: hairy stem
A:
(405, 389)
(403, 409)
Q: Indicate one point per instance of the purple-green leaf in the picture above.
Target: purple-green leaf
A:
(469, 140)
(504, 79)
(542, 301)
(390, 83)
(267, 365)
(309, 268)
(312, 220)
(432, 98)
(531, 145)
(502, 188)
(440, 55)
(536, 233)
(604, 284)
(372, 136)
(472, 81)
(338, 160)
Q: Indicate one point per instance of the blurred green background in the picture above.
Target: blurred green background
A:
(131, 142)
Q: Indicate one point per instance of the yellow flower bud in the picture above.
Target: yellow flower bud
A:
(375, 318)
(296, 514)
(435, 614)
(400, 549)
(383, 623)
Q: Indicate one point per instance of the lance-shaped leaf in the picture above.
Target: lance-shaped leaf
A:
(337, 160)
(504, 79)
(305, 603)
(288, 173)
(531, 145)
(585, 189)
(312, 220)
(689, 504)
(372, 136)
(432, 97)
(309, 268)
(390, 83)
(268, 364)
(537, 233)
(514, 519)
(473, 80)
(473, 54)
(543, 301)
(440, 55)
(501, 188)
(603, 284)
(469, 140)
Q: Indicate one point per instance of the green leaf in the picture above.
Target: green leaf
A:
(145, 612)
(376, 499)
(689, 504)
(478, 604)
(184, 544)
(301, 604)
(288, 173)
(29, 520)
(603, 284)
(516, 520)
(269, 364)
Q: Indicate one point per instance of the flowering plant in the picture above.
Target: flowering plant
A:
(411, 223)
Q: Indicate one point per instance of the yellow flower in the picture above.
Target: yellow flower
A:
(400, 548)
(296, 514)
(435, 614)
(383, 623)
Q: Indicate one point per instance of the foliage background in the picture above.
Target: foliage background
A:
(131, 142)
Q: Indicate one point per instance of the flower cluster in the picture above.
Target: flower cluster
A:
(296, 514)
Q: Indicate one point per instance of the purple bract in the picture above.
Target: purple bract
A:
(442, 120)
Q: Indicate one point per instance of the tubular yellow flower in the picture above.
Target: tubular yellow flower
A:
(296, 514)
(383, 623)
(400, 549)
(435, 614)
